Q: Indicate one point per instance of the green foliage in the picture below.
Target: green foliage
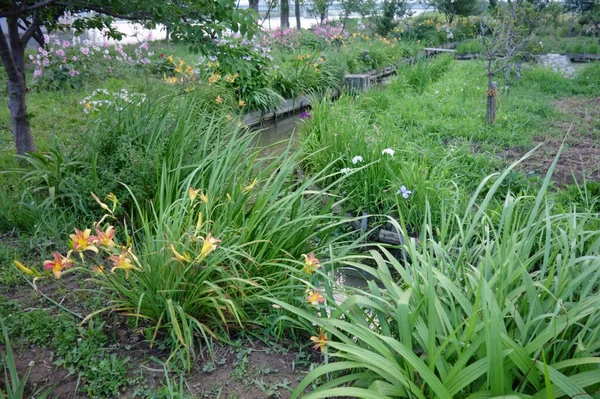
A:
(81, 351)
(454, 8)
(386, 21)
(469, 47)
(15, 385)
(426, 28)
(263, 217)
(119, 152)
(493, 310)
(424, 72)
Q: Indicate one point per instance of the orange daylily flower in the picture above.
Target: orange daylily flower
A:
(315, 298)
(58, 264)
(219, 100)
(81, 241)
(320, 341)
(104, 238)
(98, 269)
(209, 245)
(311, 263)
(122, 262)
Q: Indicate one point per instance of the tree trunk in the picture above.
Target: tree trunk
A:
(13, 60)
(490, 111)
(254, 6)
(284, 14)
(297, 12)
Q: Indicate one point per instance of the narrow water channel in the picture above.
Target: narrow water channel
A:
(273, 138)
(274, 135)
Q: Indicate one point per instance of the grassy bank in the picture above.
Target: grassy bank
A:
(193, 246)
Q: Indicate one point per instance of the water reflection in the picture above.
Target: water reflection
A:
(274, 135)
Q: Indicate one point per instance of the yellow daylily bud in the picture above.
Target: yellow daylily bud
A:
(182, 258)
(250, 186)
(25, 269)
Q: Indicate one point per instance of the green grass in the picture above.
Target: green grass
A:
(449, 318)
(83, 351)
(431, 116)
(569, 45)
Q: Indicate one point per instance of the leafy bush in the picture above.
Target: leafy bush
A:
(63, 65)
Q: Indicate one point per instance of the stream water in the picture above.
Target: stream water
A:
(273, 138)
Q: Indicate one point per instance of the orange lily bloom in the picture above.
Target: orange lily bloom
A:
(105, 238)
(58, 264)
(311, 263)
(81, 241)
(315, 298)
(219, 100)
(121, 262)
(320, 341)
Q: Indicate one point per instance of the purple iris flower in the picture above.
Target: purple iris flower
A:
(405, 193)
(305, 114)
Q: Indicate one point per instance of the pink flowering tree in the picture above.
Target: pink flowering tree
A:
(192, 21)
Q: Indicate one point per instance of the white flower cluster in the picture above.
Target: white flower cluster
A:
(102, 99)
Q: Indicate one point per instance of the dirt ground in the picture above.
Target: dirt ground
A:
(581, 155)
(251, 369)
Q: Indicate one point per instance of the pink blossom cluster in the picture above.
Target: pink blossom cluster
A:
(281, 38)
(55, 55)
(329, 32)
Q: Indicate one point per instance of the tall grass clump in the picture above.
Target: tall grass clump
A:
(223, 229)
(424, 72)
(501, 309)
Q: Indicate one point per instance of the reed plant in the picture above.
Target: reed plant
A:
(223, 229)
(507, 307)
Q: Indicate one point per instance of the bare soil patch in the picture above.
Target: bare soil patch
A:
(250, 369)
(581, 155)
